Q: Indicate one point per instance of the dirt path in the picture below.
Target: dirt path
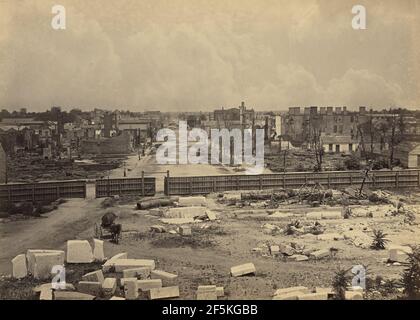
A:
(49, 232)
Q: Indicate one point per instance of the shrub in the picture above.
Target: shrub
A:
(341, 281)
(352, 163)
(411, 275)
(379, 240)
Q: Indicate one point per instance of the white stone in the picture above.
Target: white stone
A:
(159, 274)
(20, 269)
(79, 251)
(121, 264)
(148, 284)
(243, 269)
(298, 289)
(141, 272)
(109, 286)
(192, 201)
(95, 276)
(98, 250)
(164, 293)
(186, 212)
(106, 267)
(30, 257)
(44, 263)
(90, 287)
(131, 290)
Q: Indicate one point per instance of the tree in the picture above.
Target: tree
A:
(317, 147)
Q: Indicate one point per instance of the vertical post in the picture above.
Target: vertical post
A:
(397, 179)
(214, 184)
(33, 193)
(142, 183)
(58, 192)
(284, 180)
(351, 179)
(260, 182)
(329, 181)
(168, 183)
(107, 188)
(190, 186)
(418, 178)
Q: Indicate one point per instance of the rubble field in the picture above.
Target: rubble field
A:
(275, 244)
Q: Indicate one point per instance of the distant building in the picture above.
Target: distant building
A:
(339, 144)
(408, 153)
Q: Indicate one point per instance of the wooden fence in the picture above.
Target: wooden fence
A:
(144, 186)
(334, 179)
(42, 191)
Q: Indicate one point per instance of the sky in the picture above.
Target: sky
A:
(195, 55)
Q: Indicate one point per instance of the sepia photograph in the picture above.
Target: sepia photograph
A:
(218, 150)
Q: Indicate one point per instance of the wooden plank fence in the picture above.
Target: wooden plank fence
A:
(144, 186)
(333, 179)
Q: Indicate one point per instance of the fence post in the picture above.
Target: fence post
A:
(351, 179)
(284, 180)
(418, 178)
(142, 183)
(58, 192)
(214, 185)
(33, 192)
(397, 182)
(168, 183)
(190, 186)
(260, 183)
(329, 182)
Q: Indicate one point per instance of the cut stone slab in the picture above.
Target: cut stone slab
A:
(109, 285)
(90, 287)
(279, 214)
(164, 293)
(330, 236)
(178, 220)
(158, 229)
(192, 201)
(186, 212)
(44, 263)
(98, 250)
(110, 263)
(19, 266)
(79, 251)
(299, 257)
(220, 291)
(211, 215)
(95, 276)
(185, 231)
(121, 264)
(123, 280)
(353, 295)
(332, 215)
(287, 296)
(71, 295)
(116, 298)
(399, 253)
(159, 274)
(46, 294)
(319, 254)
(207, 288)
(298, 289)
(287, 250)
(314, 296)
(274, 250)
(314, 215)
(243, 269)
(141, 272)
(131, 290)
(148, 284)
(30, 257)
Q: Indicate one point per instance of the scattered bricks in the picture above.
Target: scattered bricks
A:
(186, 212)
(243, 269)
(399, 253)
(330, 236)
(185, 231)
(148, 284)
(131, 290)
(116, 298)
(109, 286)
(141, 272)
(274, 250)
(299, 290)
(192, 201)
(71, 295)
(110, 263)
(98, 250)
(164, 293)
(121, 264)
(314, 215)
(79, 251)
(220, 291)
(20, 269)
(90, 287)
(332, 215)
(159, 274)
(30, 256)
(95, 276)
(44, 262)
(353, 295)
(46, 294)
(299, 257)
(319, 254)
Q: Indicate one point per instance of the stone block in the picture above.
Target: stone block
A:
(314, 215)
(116, 298)
(185, 230)
(109, 285)
(220, 291)
(192, 201)
(46, 294)
(72, 295)
(107, 266)
(319, 254)
(287, 296)
(148, 284)
(163, 293)
(211, 215)
(206, 295)
(159, 274)
(299, 257)
(243, 269)
(121, 264)
(353, 295)
(332, 215)
(30, 257)
(131, 289)
(207, 288)
(186, 212)
(399, 253)
(274, 250)
(44, 263)
(141, 272)
(314, 296)
(98, 250)
(19, 266)
(79, 251)
(298, 289)
(95, 276)
(90, 287)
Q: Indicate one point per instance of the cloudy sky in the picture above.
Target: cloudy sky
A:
(191, 55)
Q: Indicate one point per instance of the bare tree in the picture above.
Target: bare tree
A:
(317, 148)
